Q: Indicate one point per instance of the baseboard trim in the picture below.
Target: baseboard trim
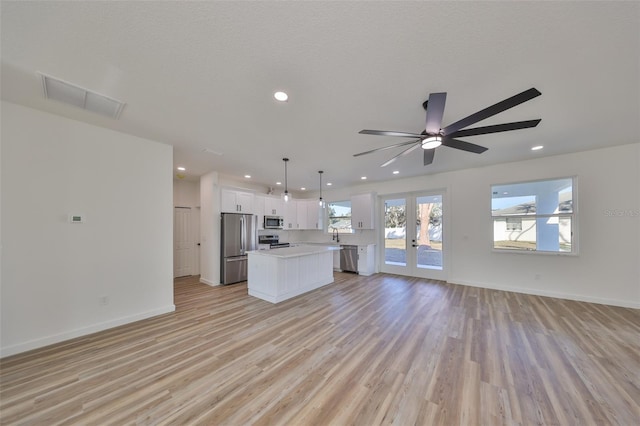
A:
(79, 332)
(207, 282)
(558, 295)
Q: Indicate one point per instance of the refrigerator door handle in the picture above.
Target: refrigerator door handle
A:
(237, 259)
(243, 234)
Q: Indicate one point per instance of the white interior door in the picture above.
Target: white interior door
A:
(414, 242)
(183, 245)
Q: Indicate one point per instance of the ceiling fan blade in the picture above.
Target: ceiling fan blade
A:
(492, 110)
(495, 129)
(403, 153)
(435, 112)
(389, 133)
(428, 156)
(465, 146)
(384, 147)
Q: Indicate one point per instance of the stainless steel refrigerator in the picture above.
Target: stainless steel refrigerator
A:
(238, 235)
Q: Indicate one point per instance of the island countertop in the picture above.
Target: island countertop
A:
(296, 251)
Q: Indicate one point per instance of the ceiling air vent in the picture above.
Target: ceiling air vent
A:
(68, 93)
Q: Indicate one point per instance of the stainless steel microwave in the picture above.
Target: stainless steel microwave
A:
(273, 222)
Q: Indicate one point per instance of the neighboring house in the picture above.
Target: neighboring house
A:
(515, 227)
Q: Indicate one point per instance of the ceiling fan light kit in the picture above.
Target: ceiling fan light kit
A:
(434, 135)
(431, 142)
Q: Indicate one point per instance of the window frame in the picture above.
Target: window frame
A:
(560, 215)
(329, 217)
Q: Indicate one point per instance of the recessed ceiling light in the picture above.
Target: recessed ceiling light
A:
(247, 176)
(182, 169)
(537, 147)
(329, 184)
(281, 96)
(395, 172)
(363, 178)
(278, 183)
(303, 189)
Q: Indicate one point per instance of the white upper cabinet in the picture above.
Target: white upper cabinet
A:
(265, 205)
(233, 201)
(291, 215)
(273, 206)
(314, 215)
(258, 208)
(362, 206)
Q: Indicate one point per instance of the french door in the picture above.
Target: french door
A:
(414, 242)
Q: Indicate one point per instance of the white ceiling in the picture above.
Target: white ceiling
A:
(200, 75)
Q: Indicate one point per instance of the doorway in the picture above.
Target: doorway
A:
(183, 244)
(413, 235)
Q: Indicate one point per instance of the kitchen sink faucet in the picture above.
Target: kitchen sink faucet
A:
(336, 236)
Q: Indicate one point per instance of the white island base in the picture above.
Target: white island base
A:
(280, 274)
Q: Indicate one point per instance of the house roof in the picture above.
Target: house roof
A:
(200, 76)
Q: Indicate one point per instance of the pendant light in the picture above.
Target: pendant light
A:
(286, 192)
(321, 201)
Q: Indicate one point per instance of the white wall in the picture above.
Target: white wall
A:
(209, 229)
(54, 273)
(186, 193)
(607, 268)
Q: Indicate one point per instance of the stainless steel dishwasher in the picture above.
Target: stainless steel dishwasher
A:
(349, 258)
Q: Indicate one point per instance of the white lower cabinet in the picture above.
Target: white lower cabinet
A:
(366, 259)
(336, 260)
(275, 277)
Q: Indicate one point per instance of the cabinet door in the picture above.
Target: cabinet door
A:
(366, 259)
(232, 201)
(302, 214)
(290, 215)
(259, 209)
(273, 206)
(314, 215)
(362, 211)
(245, 201)
(228, 202)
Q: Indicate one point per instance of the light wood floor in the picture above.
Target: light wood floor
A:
(362, 351)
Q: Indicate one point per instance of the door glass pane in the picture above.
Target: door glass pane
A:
(395, 232)
(429, 231)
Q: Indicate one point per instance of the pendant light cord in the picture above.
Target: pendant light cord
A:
(286, 160)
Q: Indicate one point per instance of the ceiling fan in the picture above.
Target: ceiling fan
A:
(433, 136)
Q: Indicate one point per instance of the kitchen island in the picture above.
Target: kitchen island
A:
(280, 274)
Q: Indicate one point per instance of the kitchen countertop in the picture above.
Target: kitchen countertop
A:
(318, 243)
(297, 251)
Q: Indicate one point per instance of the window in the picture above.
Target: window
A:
(339, 216)
(514, 224)
(536, 216)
